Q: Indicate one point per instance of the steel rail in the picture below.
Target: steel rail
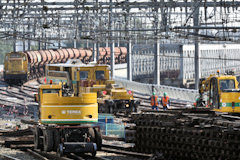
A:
(7, 157)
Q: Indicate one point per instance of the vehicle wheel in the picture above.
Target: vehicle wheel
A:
(110, 107)
(94, 154)
(60, 150)
(134, 108)
(56, 137)
(98, 138)
(47, 140)
(92, 134)
(37, 140)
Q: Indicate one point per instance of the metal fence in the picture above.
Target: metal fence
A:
(173, 92)
(175, 57)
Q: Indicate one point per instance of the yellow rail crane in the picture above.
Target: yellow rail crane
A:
(94, 77)
(67, 123)
(220, 93)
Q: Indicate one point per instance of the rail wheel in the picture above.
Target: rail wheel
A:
(56, 137)
(47, 140)
(98, 138)
(37, 140)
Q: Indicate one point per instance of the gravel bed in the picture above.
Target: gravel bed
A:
(16, 153)
(114, 156)
(11, 125)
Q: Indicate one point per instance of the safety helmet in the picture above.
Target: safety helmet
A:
(164, 94)
(153, 93)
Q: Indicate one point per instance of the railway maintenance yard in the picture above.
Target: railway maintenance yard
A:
(119, 79)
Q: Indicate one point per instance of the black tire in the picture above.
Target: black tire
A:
(56, 136)
(37, 140)
(94, 153)
(98, 138)
(47, 140)
(60, 152)
(110, 108)
(92, 134)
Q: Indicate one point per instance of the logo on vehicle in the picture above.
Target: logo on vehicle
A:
(76, 112)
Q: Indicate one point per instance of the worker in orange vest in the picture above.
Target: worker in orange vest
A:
(154, 101)
(165, 101)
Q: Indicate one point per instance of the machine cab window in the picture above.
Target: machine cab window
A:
(227, 84)
(50, 91)
(100, 75)
(83, 75)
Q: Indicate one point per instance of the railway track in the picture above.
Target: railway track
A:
(23, 140)
(109, 151)
(18, 100)
(7, 157)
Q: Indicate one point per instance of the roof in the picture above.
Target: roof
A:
(92, 64)
(49, 86)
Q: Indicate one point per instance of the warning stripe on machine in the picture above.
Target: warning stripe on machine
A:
(91, 105)
(69, 119)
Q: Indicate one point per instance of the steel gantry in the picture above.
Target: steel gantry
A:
(96, 23)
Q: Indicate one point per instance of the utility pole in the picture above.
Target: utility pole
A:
(59, 34)
(112, 41)
(14, 30)
(156, 48)
(75, 19)
(29, 36)
(23, 42)
(129, 45)
(28, 28)
(197, 53)
(97, 43)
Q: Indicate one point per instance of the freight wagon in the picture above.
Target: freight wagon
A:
(21, 66)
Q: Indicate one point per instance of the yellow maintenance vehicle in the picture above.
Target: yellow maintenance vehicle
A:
(94, 77)
(67, 123)
(16, 67)
(220, 93)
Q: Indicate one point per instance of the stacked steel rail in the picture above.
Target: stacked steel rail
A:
(196, 133)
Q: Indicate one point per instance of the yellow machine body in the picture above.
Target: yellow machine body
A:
(94, 77)
(16, 66)
(223, 94)
(58, 109)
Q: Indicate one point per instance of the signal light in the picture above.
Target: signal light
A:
(104, 92)
(45, 80)
(50, 81)
(129, 92)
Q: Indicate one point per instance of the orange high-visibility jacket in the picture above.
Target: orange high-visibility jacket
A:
(165, 101)
(154, 100)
